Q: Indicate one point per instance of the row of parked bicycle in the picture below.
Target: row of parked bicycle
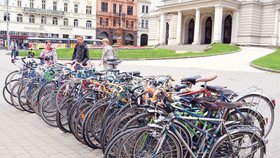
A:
(128, 115)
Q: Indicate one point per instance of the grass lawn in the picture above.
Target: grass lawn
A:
(156, 53)
(271, 61)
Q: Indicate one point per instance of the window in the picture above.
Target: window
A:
(65, 22)
(31, 19)
(43, 20)
(76, 8)
(54, 21)
(65, 36)
(31, 5)
(88, 9)
(120, 23)
(142, 23)
(114, 22)
(147, 23)
(6, 16)
(19, 18)
(107, 21)
(88, 24)
(3, 32)
(129, 10)
(147, 9)
(54, 35)
(43, 4)
(65, 7)
(54, 5)
(104, 6)
(101, 21)
(132, 24)
(114, 8)
(120, 9)
(19, 3)
(143, 9)
(126, 24)
(76, 22)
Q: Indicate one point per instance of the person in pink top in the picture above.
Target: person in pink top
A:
(48, 55)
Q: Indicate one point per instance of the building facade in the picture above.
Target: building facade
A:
(117, 19)
(244, 22)
(143, 22)
(49, 18)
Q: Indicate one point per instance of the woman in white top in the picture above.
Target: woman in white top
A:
(48, 55)
(107, 53)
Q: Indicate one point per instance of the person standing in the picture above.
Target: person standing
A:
(107, 53)
(80, 53)
(48, 55)
(14, 49)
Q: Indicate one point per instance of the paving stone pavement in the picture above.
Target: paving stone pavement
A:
(25, 135)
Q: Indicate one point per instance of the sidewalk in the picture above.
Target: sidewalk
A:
(25, 135)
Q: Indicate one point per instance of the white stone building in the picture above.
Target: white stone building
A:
(49, 18)
(143, 22)
(244, 22)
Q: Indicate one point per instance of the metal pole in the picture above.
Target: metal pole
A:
(8, 32)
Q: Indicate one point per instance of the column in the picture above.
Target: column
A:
(218, 21)
(197, 28)
(179, 28)
(276, 29)
(162, 29)
(234, 31)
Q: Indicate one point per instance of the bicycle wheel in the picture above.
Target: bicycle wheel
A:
(48, 109)
(62, 122)
(78, 119)
(114, 144)
(150, 142)
(247, 116)
(7, 91)
(45, 90)
(116, 124)
(64, 92)
(14, 75)
(241, 143)
(263, 105)
(23, 102)
(92, 124)
(32, 92)
(14, 96)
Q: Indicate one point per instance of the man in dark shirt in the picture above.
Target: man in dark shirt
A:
(80, 53)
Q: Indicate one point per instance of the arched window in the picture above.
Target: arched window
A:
(19, 18)
(128, 39)
(54, 21)
(76, 22)
(191, 32)
(208, 31)
(103, 35)
(65, 22)
(88, 24)
(43, 20)
(31, 19)
(227, 29)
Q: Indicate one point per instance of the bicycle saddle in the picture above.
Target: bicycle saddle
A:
(191, 80)
(207, 78)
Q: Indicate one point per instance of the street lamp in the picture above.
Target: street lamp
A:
(120, 29)
(8, 20)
